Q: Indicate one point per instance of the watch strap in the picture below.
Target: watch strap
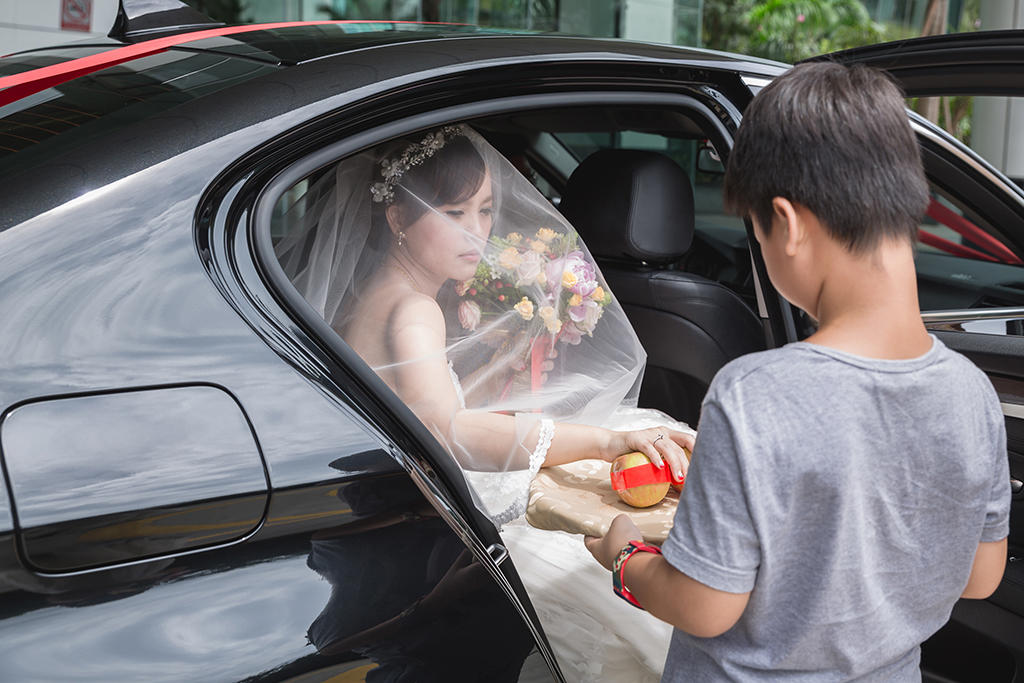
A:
(619, 568)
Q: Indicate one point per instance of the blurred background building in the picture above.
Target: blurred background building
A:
(785, 30)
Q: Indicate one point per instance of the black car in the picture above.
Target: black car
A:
(201, 481)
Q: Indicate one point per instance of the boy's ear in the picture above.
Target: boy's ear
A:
(786, 216)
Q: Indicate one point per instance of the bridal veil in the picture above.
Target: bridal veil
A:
(534, 333)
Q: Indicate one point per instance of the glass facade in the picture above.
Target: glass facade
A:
(911, 13)
(669, 21)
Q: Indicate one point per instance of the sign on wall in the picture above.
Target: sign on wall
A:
(76, 15)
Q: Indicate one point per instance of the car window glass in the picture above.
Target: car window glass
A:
(960, 265)
(720, 251)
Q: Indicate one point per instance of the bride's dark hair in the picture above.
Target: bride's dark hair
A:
(451, 175)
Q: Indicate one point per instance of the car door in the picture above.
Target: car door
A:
(971, 287)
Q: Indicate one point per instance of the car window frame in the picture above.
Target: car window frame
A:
(234, 240)
(961, 174)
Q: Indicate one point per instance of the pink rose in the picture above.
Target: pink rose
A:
(584, 272)
(469, 315)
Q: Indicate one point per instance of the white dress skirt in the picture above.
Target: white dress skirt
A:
(595, 634)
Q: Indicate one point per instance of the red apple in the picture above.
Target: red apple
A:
(642, 496)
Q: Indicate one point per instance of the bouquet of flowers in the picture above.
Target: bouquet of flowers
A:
(543, 279)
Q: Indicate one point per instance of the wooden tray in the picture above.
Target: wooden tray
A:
(578, 498)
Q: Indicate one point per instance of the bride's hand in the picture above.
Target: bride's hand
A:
(661, 445)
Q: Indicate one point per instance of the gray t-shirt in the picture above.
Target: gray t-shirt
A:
(849, 494)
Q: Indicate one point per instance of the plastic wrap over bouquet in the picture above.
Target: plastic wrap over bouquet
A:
(535, 330)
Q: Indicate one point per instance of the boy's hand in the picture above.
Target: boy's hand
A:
(606, 548)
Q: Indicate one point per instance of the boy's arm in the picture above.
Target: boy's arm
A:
(987, 571)
(666, 592)
(990, 556)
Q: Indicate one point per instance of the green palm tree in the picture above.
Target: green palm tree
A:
(791, 30)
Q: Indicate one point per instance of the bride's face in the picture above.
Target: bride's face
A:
(448, 241)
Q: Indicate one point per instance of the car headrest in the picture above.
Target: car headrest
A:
(631, 204)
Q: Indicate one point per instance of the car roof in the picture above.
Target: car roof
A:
(100, 110)
(293, 43)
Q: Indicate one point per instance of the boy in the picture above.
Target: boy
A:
(844, 490)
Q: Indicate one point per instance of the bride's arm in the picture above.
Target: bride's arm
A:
(485, 440)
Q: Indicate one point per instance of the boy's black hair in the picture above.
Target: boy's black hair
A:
(837, 140)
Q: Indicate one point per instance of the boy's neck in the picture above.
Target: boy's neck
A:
(867, 304)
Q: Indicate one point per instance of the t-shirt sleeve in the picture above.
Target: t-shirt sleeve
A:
(997, 512)
(713, 538)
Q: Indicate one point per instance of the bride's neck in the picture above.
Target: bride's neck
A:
(413, 275)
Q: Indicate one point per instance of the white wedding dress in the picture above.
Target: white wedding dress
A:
(337, 237)
(596, 636)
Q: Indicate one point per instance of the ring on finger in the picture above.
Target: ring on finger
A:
(660, 437)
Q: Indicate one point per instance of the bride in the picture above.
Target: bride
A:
(476, 302)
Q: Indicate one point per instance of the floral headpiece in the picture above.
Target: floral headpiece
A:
(413, 155)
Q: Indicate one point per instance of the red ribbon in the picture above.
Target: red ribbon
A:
(642, 475)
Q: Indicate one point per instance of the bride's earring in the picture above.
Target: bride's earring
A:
(401, 238)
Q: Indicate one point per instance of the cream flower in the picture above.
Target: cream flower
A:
(575, 300)
(509, 258)
(525, 308)
(538, 246)
(597, 295)
(546, 235)
(554, 325)
(514, 238)
(568, 279)
(546, 313)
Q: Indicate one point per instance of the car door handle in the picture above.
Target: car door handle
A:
(1016, 486)
(497, 552)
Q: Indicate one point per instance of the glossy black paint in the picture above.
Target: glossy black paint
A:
(281, 99)
(314, 604)
(142, 473)
(987, 62)
(108, 292)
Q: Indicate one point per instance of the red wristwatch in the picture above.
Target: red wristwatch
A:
(619, 566)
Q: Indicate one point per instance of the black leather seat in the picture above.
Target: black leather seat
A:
(634, 210)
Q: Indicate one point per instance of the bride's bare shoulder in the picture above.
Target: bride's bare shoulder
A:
(414, 309)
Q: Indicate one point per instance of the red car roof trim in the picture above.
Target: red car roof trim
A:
(17, 86)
